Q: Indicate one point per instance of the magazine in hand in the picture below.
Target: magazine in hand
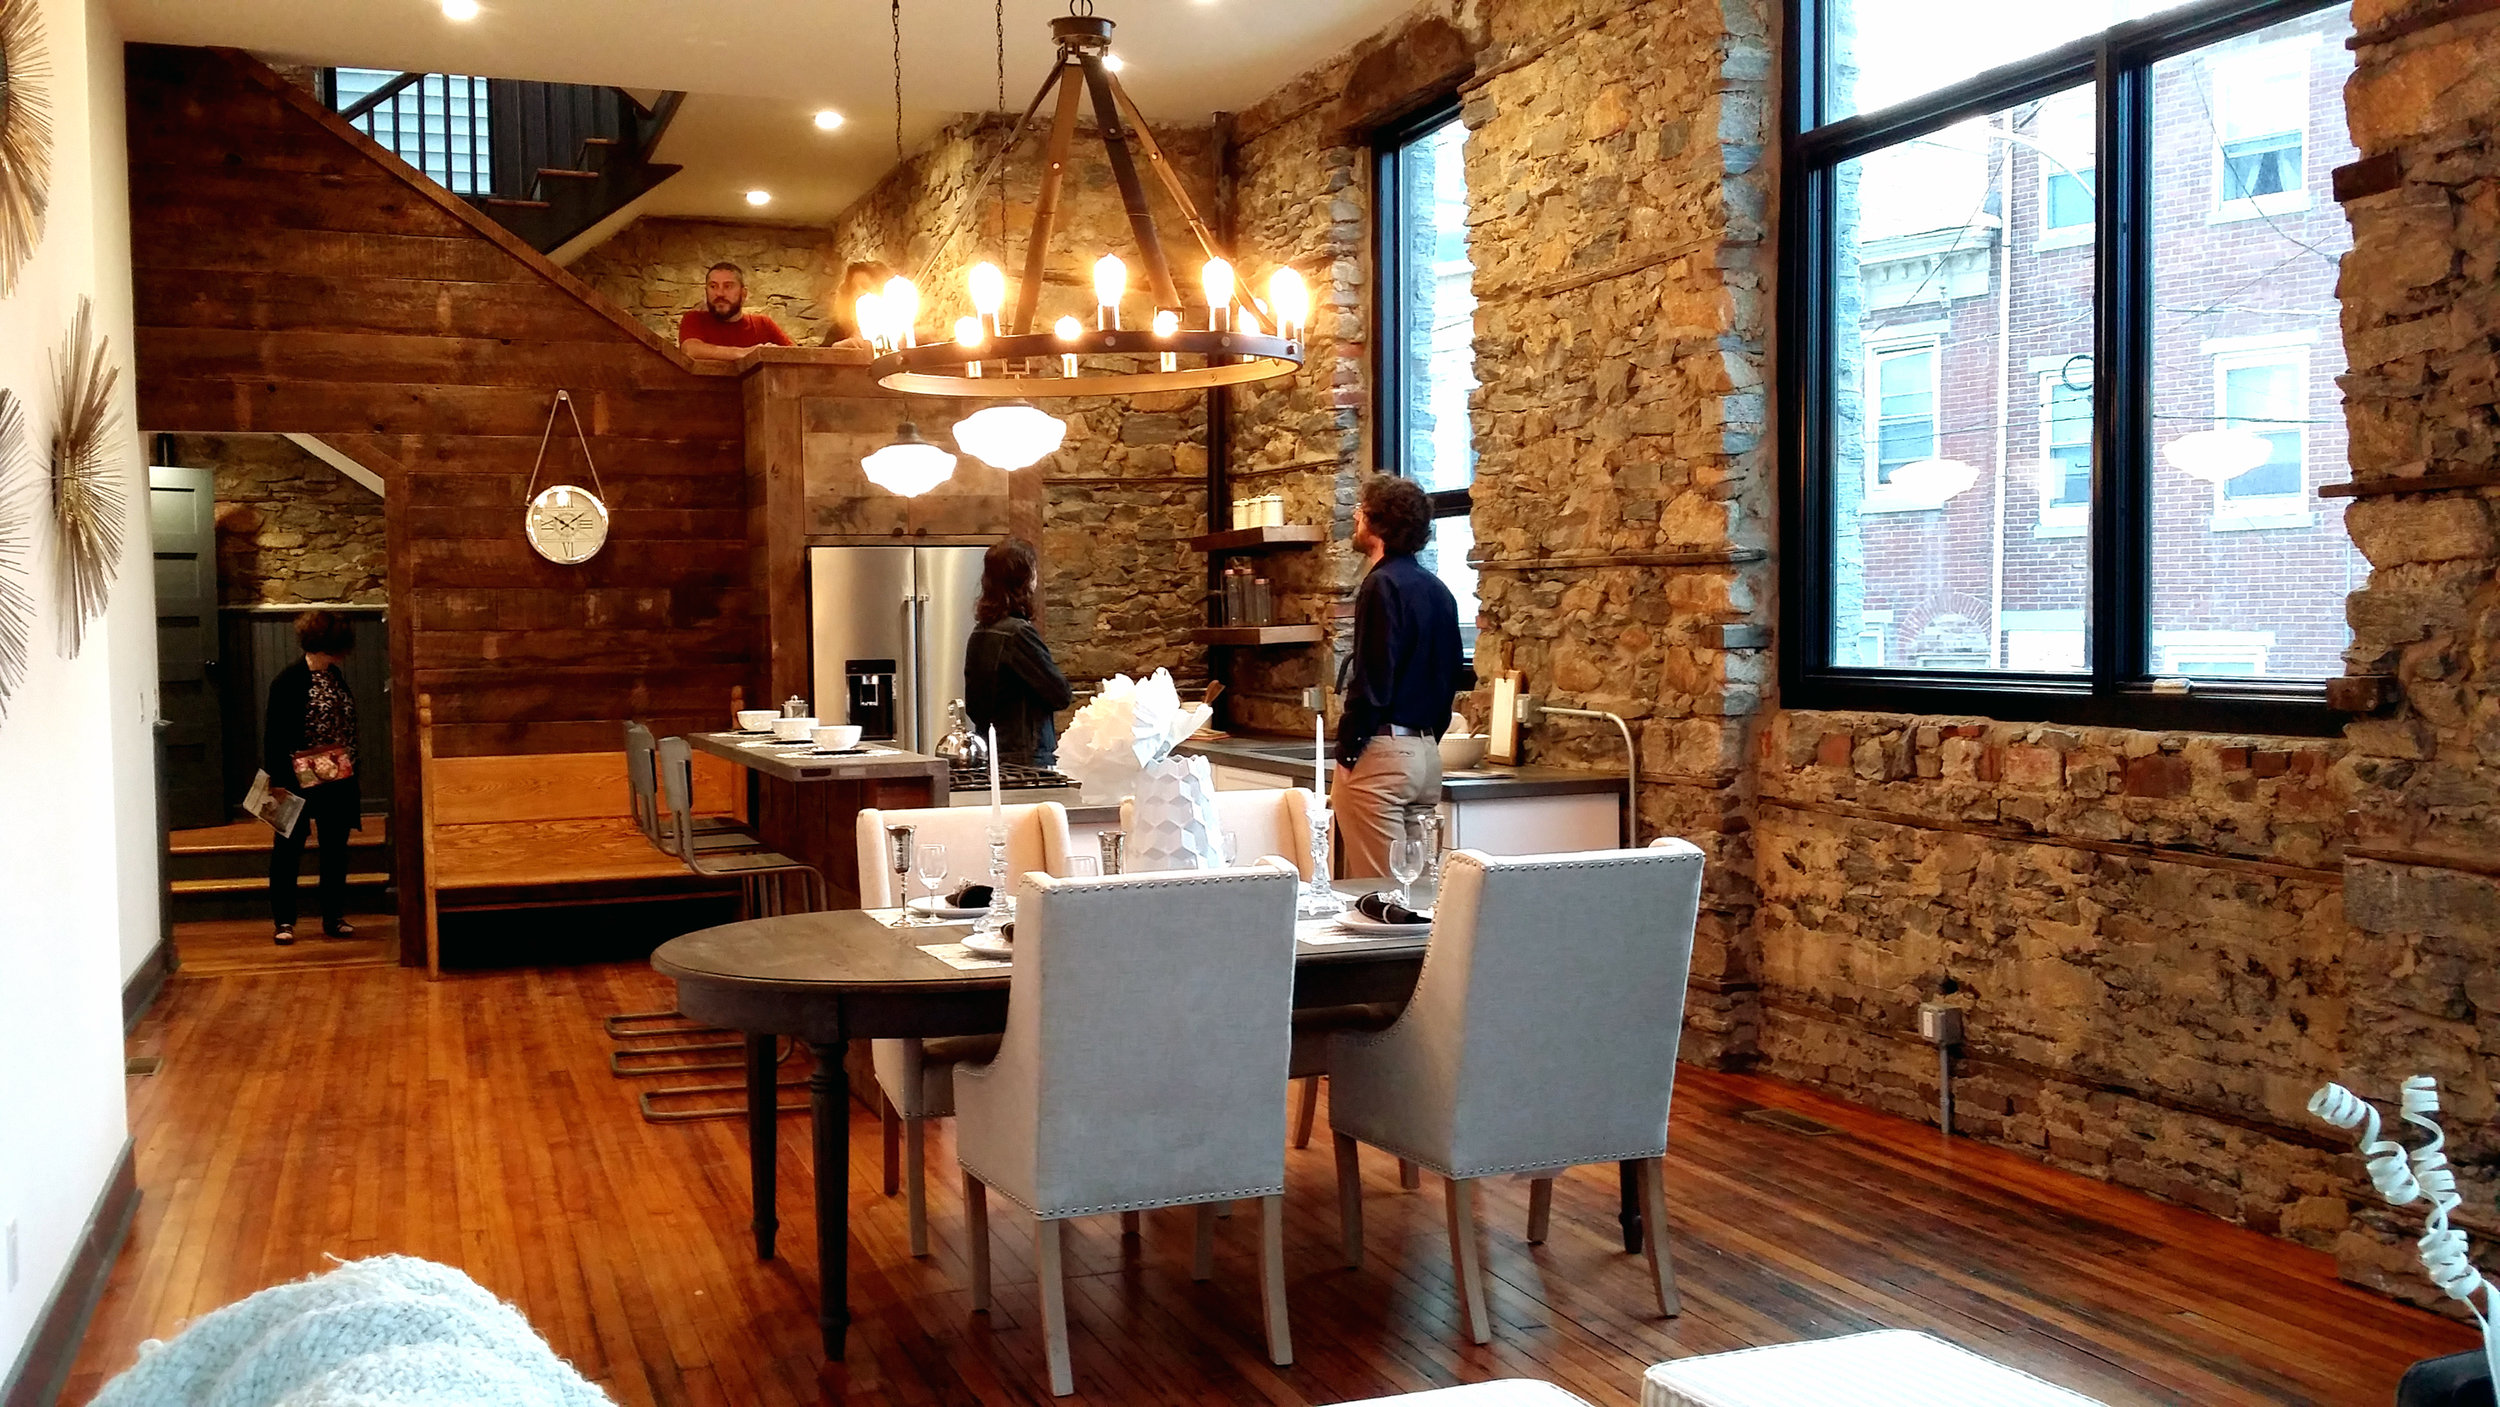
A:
(281, 812)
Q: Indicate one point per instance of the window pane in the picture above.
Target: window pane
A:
(2250, 566)
(1881, 52)
(1445, 556)
(1961, 408)
(1436, 309)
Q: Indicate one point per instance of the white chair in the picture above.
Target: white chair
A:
(1147, 1022)
(1542, 1035)
(916, 1087)
(1855, 1370)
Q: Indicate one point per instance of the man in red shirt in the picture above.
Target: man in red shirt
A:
(722, 330)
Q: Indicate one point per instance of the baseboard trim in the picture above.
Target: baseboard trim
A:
(43, 1366)
(147, 984)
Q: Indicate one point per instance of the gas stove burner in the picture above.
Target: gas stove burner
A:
(1012, 776)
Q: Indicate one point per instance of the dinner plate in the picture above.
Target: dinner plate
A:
(1353, 922)
(939, 908)
(988, 945)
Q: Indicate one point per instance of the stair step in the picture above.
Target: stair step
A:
(506, 202)
(249, 885)
(248, 837)
(565, 173)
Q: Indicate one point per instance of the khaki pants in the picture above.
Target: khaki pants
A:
(1373, 798)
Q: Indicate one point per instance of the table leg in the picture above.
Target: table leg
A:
(1629, 1170)
(829, 1107)
(763, 1141)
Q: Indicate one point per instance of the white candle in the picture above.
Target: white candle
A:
(997, 819)
(1319, 752)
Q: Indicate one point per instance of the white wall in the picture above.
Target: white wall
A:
(78, 869)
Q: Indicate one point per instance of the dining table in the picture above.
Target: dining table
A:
(832, 977)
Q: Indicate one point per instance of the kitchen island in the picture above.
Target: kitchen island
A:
(807, 806)
(1496, 809)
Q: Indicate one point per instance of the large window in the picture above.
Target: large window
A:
(1427, 336)
(2060, 348)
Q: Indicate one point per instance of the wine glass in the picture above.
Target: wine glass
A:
(1229, 849)
(1406, 863)
(929, 862)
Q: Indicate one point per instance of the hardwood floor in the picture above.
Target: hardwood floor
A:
(358, 1111)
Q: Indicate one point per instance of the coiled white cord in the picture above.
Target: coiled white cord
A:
(2388, 1170)
(2442, 1247)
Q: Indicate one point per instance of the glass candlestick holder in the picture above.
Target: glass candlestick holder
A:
(899, 851)
(1319, 897)
(999, 914)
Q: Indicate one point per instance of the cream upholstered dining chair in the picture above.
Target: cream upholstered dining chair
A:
(1147, 1022)
(1542, 1035)
(917, 1087)
(1275, 821)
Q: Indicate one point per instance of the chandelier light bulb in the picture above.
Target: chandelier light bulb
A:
(869, 316)
(910, 466)
(828, 120)
(1168, 322)
(968, 335)
(902, 309)
(1110, 281)
(1218, 279)
(1291, 300)
(759, 197)
(1068, 330)
(460, 10)
(1113, 62)
(989, 289)
(1010, 435)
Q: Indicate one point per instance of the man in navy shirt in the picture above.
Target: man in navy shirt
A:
(1399, 681)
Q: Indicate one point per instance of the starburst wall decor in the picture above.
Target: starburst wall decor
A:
(17, 548)
(90, 501)
(25, 135)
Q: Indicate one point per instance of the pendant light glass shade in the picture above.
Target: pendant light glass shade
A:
(1011, 435)
(910, 466)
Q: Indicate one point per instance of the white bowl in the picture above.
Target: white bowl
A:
(756, 720)
(1461, 752)
(837, 737)
(793, 730)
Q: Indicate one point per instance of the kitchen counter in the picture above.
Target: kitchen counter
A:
(1080, 811)
(798, 762)
(807, 807)
(1257, 753)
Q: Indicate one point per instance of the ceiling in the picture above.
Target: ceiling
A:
(757, 70)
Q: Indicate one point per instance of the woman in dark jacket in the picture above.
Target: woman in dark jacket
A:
(1010, 681)
(310, 707)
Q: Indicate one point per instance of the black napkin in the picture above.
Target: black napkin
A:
(971, 896)
(1382, 906)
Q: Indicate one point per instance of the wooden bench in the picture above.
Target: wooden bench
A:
(547, 830)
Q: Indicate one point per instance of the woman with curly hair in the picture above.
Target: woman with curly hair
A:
(1010, 681)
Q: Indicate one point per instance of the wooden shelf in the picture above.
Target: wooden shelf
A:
(1256, 634)
(1264, 539)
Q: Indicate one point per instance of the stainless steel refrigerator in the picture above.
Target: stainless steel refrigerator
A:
(889, 625)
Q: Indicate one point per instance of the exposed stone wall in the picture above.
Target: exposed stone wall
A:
(654, 269)
(2421, 303)
(289, 527)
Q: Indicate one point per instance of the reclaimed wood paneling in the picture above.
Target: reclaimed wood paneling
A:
(293, 277)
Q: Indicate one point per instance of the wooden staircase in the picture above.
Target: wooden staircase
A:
(546, 161)
(222, 872)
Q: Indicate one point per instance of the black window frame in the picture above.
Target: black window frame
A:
(2117, 689)
(1389, 142)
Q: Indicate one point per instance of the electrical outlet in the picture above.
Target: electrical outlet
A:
(1940, 1023)
(10, 1253)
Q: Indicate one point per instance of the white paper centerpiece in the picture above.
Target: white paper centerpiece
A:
(1120, 745)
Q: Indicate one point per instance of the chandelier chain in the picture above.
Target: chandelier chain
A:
(998, 19)
(898, 80)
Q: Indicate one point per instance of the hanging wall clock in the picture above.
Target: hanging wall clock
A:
(567, 523)
(25, 135)
(90, 501)
(17, 547)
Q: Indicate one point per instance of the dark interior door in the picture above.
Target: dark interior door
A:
(182, 517)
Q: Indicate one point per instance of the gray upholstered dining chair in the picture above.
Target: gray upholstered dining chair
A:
(1147, 1023)
(765, 877)
(1542, 1035)
(919, 1085)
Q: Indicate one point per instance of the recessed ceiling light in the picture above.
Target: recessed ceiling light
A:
(1112, 62)
(759, 197)
(827, 120)
(460, 9)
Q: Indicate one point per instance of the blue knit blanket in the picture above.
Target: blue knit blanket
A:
(393, 1331)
